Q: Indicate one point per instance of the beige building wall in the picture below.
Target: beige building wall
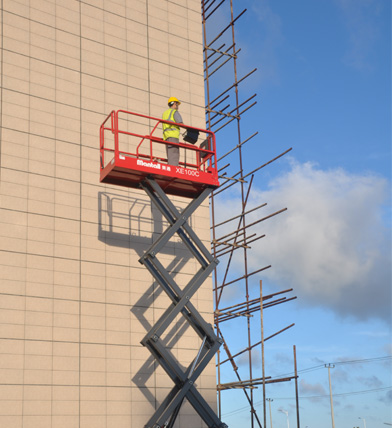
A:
(74, 301)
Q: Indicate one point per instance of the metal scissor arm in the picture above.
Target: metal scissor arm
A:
(184, 381)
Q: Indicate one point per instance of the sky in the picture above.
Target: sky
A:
(323, 86)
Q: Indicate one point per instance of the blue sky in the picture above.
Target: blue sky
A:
(323, 88)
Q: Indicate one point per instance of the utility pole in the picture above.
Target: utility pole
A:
(329, 367)
(269, 401)
(262, 351)
(296, 384)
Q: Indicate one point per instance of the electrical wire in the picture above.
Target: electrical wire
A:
(318, 367)
(338, 363)
(343, 394)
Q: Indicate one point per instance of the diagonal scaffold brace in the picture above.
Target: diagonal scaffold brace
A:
(184, 381)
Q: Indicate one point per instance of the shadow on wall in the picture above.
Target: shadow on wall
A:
(133, 223)
(170, 340)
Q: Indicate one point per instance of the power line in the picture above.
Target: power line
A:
(338, 363)
(322, 366)
(343, 394)
(366, 360)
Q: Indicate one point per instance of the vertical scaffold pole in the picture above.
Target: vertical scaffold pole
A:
(184, 381)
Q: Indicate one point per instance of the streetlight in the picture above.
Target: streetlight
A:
(287, 414)
(269, 401)
(364, 421)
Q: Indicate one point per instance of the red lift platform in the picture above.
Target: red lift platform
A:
(129, 157)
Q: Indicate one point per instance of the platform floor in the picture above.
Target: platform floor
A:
(174, 180)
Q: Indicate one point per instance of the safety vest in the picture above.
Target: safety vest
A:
(170, 131)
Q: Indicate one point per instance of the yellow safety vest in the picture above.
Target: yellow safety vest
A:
(170, 131)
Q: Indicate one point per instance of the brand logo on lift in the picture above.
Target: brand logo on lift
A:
(149, 164)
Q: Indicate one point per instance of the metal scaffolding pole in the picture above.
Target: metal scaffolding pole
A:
(225, 109)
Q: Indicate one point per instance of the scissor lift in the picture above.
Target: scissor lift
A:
(196, 180)
(140, 155)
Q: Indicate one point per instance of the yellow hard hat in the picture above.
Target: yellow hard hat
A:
(173, 100)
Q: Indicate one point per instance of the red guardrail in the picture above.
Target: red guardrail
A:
(204, 159)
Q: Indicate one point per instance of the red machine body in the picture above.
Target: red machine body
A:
(128, 157)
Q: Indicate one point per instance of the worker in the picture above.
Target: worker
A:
(171, 133)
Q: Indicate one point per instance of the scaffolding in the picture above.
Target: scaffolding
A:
(224, 109)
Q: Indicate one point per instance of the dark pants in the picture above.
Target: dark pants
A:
(173, 152)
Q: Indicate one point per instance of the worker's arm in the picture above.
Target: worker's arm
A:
(177, 117)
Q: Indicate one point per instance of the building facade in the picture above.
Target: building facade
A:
(74, 300)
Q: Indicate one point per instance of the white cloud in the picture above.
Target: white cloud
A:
(388, 348)
(316, 389)
(331, 245)
(341, 376)
(387, 398)
(243, 359)
(370, 381)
